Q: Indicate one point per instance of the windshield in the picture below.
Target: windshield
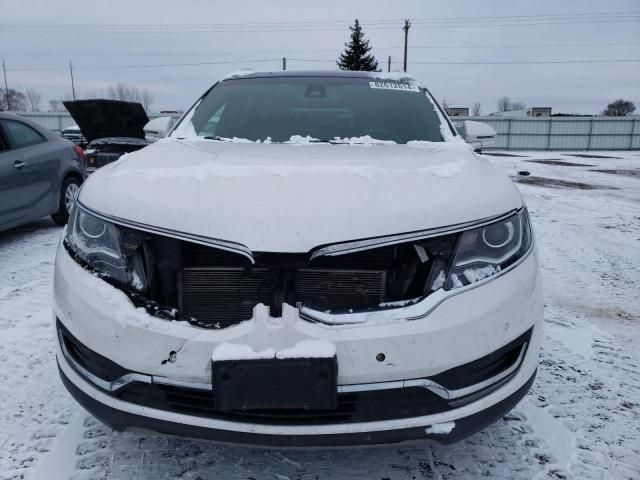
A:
(318, 108)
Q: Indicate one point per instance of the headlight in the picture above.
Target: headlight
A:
(485, 251)
(109, 250)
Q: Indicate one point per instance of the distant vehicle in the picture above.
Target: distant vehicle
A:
(159, 128)
(308, 259)
(74, 134)
(40, 173)
(111, 128)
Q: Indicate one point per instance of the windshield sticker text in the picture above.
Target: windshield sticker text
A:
(394, 86)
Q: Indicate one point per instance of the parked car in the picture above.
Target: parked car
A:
(40, 173)
(111, 128)
(159, 127)
(309, 259)
(74, 134)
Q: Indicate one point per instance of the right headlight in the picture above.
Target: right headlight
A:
(485, 251)
(110, 250)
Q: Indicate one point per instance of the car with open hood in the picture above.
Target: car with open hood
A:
(110, 128)
(309, 259)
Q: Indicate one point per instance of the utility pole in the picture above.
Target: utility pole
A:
(6, 88)
(284, 63)
(389, 64)
(407, 25)
(73, 87)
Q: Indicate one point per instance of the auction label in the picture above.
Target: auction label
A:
(395, 86)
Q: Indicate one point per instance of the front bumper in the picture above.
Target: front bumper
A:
(458, 331)
(119, 416)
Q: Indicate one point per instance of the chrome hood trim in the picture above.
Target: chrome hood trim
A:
(336, 249)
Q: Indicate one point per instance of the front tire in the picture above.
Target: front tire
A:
(68, 192)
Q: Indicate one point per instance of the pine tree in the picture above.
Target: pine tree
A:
(356, 55)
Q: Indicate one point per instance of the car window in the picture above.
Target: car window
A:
(3, 144)
(324, 108)
(20, 134)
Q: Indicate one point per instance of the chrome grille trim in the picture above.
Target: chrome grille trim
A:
(211, 242)
(366, 244)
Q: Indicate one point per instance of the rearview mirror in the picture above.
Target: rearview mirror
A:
(158, 128)
(478, 134)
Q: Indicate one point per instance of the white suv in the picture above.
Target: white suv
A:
(309, 259)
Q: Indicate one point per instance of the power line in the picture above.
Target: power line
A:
(525, 62)
(159, 65)
(305, 50)
(474, 19)
(418, 62)
(382, 25)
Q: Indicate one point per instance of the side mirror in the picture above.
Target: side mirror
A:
(158, 128)
(478, 134)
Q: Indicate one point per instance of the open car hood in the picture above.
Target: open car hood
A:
(108, 118)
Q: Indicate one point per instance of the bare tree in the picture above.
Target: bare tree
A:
(444, 104)
(476, 110)
(619, 108)
(16, 101)
(504, 104)
(56, 106)
(34, 98)
(146, 99)
(95, 93)
(122, 91)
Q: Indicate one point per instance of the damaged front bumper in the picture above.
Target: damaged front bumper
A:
(396, 380)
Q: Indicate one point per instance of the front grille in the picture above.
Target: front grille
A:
(223, 296)
(352, 407)
(215, 288)
(100, 159)
(103, 159)
(335, 290)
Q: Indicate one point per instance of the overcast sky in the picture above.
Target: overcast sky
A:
(38, 38)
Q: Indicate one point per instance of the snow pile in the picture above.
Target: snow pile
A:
(423, 144)
(300, 140)
(239, 140)
(394, 77)
(441, 428)
(474, 275)
(438, 283)
(365, 140)
(236, 351)
(244, 72)
(117, 303)
(308, 348)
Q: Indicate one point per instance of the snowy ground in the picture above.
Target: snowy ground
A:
(581, 419)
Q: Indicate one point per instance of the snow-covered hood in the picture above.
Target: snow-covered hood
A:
(292, 198)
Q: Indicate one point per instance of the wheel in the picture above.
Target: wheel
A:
(68, 192)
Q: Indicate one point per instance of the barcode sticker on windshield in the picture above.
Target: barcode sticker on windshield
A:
(394, 86)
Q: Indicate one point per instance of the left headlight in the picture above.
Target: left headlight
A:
(109, 250)
(485, 251)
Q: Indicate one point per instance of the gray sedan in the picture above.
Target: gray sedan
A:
(40, 172)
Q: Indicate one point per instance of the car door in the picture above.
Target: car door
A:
(24, 166)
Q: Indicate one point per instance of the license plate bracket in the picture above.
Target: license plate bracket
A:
(268, 384)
